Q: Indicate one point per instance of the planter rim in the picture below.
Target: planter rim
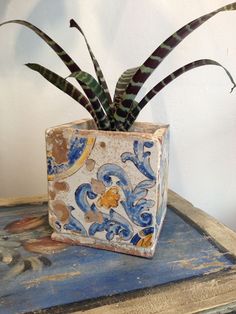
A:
(107, 189)
(88, 130)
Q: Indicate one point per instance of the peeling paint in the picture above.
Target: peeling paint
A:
(57, 277)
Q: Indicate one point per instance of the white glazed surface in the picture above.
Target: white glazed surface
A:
(73, 213)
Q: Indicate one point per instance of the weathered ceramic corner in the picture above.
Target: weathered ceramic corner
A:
(108, 189)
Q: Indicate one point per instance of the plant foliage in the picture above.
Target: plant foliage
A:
(119, 113)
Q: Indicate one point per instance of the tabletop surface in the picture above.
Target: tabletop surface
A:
(40, 275)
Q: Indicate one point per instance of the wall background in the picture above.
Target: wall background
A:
(198, 105)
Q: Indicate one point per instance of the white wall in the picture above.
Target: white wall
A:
(198, 105)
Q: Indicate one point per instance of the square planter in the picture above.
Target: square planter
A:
(108, 189)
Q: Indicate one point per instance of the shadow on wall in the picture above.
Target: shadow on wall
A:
(29, 42)
(3, 7)
(112, 14)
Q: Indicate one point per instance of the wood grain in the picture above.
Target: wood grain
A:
(13, 201)
(192, 296)
(214, 293)
(222, 235)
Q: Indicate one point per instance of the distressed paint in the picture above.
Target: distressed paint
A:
(108, 189)
(60, 274)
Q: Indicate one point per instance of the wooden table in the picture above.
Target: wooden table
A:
(193, 270)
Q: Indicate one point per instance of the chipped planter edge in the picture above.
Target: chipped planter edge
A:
(108, 189)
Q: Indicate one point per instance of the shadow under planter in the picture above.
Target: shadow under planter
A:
(108, 189)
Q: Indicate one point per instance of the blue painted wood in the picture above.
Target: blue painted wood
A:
(78, 273)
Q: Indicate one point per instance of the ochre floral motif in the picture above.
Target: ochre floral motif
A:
(144, 238)
(110, 199)
(146, 241)
(112, 188)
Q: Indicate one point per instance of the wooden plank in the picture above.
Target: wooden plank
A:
(34, 268)
(224, 309)
(192, 296)
(14, 201)
(213, 293)
(222, 235)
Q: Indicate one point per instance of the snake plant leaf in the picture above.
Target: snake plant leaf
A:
(125, 126)
(95, 87)
(104, 122)
(157, 57)
(157, 88)
(71, 65)
(120, 88)
(122, 84)
(97, 68)
(66, 87)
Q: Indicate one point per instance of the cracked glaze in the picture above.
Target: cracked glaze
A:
(108, 189)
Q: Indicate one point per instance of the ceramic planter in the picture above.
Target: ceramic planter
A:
(108, 189)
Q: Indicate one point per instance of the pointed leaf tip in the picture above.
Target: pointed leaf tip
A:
(74, 24)
(32, 66)
(232, 89)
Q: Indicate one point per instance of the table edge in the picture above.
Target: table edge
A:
(219, 288)
(221, 235)
(196, 295)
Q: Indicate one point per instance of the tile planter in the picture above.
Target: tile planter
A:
(108, 189)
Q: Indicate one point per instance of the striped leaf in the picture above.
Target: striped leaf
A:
(71, 65)
(157, 88)
(95, 87)
(120, 88)
(97, 68)
(122, 84)
(124, 126)
(157, 57)
(67, 88)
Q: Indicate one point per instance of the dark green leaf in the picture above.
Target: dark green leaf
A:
(157, 88)
(95, 87)
(122, 84)
(66, 87)
(97, 68)
(156, 58)
(71, 65)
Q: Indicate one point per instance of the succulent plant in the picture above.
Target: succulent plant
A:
(119, 113)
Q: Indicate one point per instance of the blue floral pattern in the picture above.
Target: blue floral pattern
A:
(134, 201)
(118, 205)
(82, 194)
(74, 224)
(141, 159)
(113, 224)
(135, 204)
